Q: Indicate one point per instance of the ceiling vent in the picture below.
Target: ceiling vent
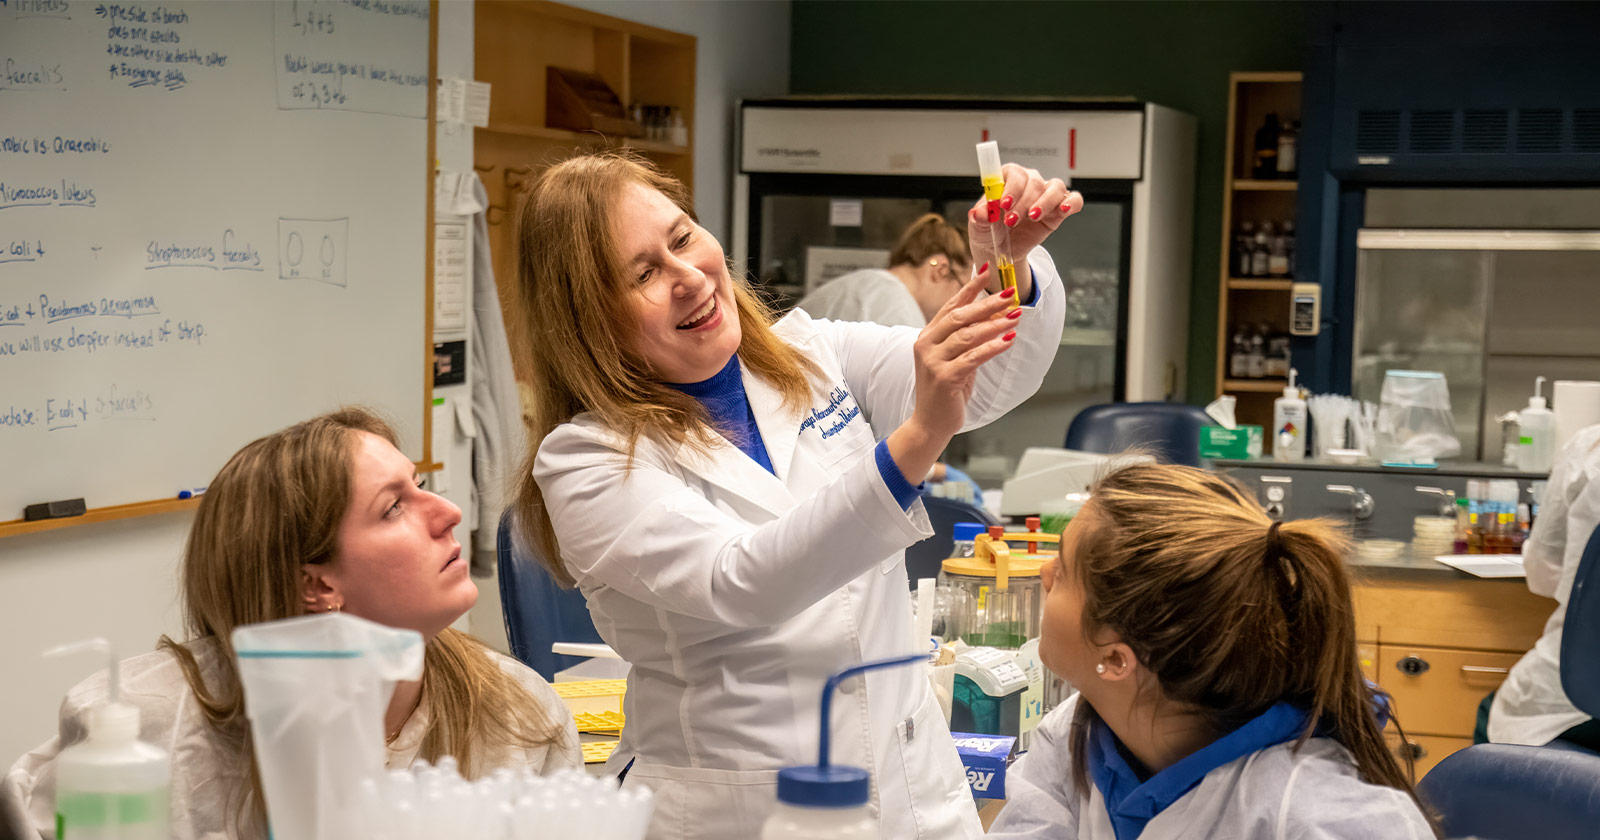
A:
(1538, 130)
(1485, 132)
(1432, 133)
(1377, 132)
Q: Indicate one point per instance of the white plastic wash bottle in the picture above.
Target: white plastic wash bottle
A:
(828, 801)
(111, 785)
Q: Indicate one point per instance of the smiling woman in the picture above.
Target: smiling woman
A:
(758, 476)
(326, 515)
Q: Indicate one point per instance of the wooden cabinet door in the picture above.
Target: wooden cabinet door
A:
(1436, 691)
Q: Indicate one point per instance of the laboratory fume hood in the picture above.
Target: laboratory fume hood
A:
(823, 186)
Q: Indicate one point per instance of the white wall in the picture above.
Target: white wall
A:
(118, 579)
(743, 53)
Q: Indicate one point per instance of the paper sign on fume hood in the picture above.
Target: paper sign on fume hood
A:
(824, 264)
(845, 212)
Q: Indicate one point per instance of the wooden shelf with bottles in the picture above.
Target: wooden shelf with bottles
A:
(516, 42)
(1273, 186)
(1246, 298)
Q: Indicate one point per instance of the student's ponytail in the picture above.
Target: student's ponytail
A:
(1231, 611)
(1328, 673)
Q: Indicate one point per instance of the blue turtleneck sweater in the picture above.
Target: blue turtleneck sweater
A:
(724, 399)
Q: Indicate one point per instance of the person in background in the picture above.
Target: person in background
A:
(326, 515)
(927, 266)
(1530, 707)
(1220, 693)
(734, 495)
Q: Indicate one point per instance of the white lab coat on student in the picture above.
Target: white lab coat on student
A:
(871, 294)
(1274, 794)
(1530, 707)
(206, 780)
(733, 592)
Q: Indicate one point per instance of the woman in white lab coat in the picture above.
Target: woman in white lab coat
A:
(731, 493)
(927, 266)
(326, 515)
(1530, 706)
(1220, 694)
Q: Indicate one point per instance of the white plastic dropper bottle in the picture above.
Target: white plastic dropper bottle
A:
(1289, 423)
(1536, 451)
(111, 785)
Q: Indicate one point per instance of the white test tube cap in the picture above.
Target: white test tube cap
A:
(989, 159)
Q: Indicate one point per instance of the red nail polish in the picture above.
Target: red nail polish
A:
(1012, 219)
(1065, 207)
(983, 268)
(1035, 213)
(1008, 292)
(1009, 336)
(1014, 314)
(1005, 203)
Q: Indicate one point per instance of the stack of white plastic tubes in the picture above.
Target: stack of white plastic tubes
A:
(435, 803)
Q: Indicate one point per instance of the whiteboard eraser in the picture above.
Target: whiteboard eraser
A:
(53, 510)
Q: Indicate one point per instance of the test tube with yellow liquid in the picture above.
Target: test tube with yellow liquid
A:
(994, 188)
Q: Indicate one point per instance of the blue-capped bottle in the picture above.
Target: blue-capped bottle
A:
(826, 801)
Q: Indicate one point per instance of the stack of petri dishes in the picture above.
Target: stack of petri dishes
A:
(1433, 536)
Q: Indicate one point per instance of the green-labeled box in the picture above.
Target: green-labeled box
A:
(1243, 443)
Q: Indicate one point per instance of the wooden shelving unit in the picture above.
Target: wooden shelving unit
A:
(515, 42)
(1253, 300)
(1254, 386)
(1274, 186)
(1259, 285)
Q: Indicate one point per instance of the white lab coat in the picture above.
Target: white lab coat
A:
(205, 778)
(871, 294)
(733, 592)
(1278, 793)
(1530, 707)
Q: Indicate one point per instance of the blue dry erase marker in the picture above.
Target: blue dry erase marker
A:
(189, 494)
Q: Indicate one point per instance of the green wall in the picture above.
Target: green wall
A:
(1177, 54)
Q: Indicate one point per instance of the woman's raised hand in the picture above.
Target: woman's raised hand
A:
(1032, 208)
(970, 329)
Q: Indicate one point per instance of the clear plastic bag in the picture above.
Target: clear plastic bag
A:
(1415, 425)
(315, 689)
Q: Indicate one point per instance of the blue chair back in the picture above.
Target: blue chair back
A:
(538, 612)
(923, 559)
(1580, 635)
(1512, 792)
(1170, 430)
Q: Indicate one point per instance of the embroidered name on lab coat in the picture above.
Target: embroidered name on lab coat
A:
(831, 420)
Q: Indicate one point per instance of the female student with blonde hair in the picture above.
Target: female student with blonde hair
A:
(323, 516)
(730, 492)
(927, 266)
(1219, 692)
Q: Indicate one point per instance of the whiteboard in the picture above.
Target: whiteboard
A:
(213, 221)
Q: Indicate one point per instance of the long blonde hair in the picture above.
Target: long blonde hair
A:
(570, 280)
(1230, 611)
(277, 504)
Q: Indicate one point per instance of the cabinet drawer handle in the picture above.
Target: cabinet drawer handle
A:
(1412, 665)
(1415, 749)
(1485, 669)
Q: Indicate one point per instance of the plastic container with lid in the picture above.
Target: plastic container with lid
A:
(998, 591)
(966, 534)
